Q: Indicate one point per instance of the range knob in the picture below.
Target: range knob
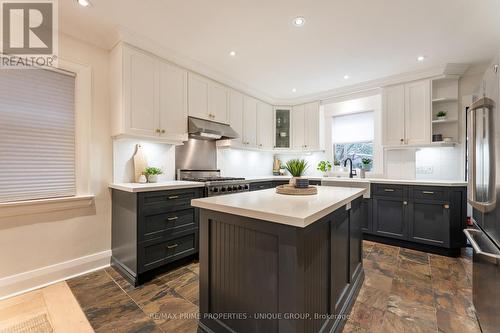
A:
(246, 187)
(235, 188)
(240, 187)
(229, 188)
(223, 189)
(215, 189)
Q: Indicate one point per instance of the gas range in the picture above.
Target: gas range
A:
(215, 184)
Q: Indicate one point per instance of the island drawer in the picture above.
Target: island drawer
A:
(261, 186)
(430, 193)
(168, 224)
(166, 201)
(388, 190)
(155, 254)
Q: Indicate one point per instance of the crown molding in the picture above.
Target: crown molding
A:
(370, 87)
(147, 44)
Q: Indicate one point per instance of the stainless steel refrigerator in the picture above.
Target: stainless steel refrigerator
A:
(483, 132)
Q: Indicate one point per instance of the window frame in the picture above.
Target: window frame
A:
(83, 108)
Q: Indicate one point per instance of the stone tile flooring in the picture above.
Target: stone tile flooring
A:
(404, 291)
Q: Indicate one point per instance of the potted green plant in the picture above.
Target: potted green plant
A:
(296, 168)
(366, 162)
(325, 167)
(152, 174)
(441, 115)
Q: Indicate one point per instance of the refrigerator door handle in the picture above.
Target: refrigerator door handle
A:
(471, 189)
(469, 234)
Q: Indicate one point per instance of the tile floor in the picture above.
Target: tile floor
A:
(403, 291)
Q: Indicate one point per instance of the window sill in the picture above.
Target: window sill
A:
(8, 209)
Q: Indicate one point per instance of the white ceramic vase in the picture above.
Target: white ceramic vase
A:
(152, 178)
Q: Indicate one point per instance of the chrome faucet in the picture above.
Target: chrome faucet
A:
(351, 171)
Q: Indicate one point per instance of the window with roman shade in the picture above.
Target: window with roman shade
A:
(353, 136)
(37, 134)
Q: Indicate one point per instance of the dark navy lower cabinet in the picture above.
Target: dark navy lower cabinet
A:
(151, 230)
(430, 218)
(390, 217)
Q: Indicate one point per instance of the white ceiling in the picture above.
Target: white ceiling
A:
(365, 39)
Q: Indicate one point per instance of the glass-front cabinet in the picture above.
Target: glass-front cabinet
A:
(282, 127)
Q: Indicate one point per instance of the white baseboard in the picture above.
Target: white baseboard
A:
(23, 282)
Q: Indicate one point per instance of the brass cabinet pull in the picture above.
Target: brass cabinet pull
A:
(388, 190)
(427, 192)
(172, 218)
(173, 197)
(446, 206)
(172, 246)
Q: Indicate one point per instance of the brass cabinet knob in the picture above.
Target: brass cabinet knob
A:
(157, 130)
(446, 206)
(405, 203)
(163, 131)
(402, 140)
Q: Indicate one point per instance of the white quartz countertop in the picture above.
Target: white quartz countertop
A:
(369, 180)
(293, 210)
(160, 186)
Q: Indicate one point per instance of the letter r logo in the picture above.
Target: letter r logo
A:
(27, 27)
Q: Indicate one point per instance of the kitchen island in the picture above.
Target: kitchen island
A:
(278, 263)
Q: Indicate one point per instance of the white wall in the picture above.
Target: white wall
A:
(244, 163)
(159, 155)
(31, 244)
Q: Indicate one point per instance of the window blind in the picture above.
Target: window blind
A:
(37, 134)
(357, 127)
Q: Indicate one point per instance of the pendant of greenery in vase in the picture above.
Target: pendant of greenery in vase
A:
(296, 168)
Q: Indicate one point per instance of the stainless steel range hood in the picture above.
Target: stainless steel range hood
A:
(209, 130)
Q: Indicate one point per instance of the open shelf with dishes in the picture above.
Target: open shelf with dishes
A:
(445, 117)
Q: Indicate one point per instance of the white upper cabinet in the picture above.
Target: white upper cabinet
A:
(218, 102)
(393, 100)
(207, 99)
(250, 122)
(173, 101)
(265, 120)
(313, 126)
(236, 113)
(418, 112)
(148, 96)
(141, 89)
(298, 127)
(407, 114)
(198, 90)
(307, 127)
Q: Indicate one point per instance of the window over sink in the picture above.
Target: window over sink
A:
(353, 136)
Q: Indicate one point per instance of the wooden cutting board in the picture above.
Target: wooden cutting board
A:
(140, 162)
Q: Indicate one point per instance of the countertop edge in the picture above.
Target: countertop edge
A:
(277, 218)
(153, 187)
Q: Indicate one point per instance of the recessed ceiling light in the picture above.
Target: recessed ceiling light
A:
(299, 21)
(346, 77)
(420, 58)
(232, 53)
(83, 3)
(294, 90)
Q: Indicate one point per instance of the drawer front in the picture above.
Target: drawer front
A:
(166, 201)
(157, 254)
(166, 225)
(388, 190)
(430, 193)
(261, 186)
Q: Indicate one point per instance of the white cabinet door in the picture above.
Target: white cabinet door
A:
(313, 130)
(418, 112)
(265, 120)
(393, 100)
(250, 122)
(198, 91)
(298, 127)
(173, 102)
(236, 113)
(140, 85)
(218, 98)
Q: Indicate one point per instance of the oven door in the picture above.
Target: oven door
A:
(485, 279)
